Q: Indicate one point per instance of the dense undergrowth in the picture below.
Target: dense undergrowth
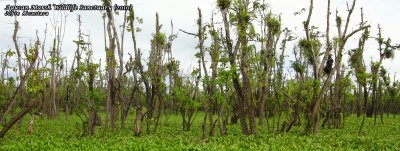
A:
(61, 134)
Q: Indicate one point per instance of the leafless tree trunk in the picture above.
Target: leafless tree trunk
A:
(124, 104)
(108, 101)
(110, 55)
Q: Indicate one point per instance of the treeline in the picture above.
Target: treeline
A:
(242, 83)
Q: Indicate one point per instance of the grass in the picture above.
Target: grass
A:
(60, 134)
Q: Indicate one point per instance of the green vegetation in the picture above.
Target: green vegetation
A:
(61, 134)
(243, 93)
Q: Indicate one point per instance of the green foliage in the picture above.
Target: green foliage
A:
(79, 42)
(355, 60)
(3, 100)
(97, 96)
(10, 53)
(224, 75)
(298, 67)
(183, 96)
(11, 81)
(252, 32)
(132, 18)
(159, 38)
(59, 134)
(36, 83)
(80, 70)
(233, 18)
(310, 48)
(347, 88)
(107, 2)
(173, 65)
(92, 67)
(33, 53)
(223, 4)
(195, 72)
(389, 50)
(190, 99)
(273, 23)
(338, 21)
(307, 92)
(219, 97)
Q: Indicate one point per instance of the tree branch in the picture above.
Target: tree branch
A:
(189, 33)
(355, 31)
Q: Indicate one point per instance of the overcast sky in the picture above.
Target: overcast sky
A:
(183, 13)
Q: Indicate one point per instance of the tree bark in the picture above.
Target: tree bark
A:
(15, 119)
(110, 55)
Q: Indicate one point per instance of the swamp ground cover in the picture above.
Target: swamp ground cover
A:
(61, 134)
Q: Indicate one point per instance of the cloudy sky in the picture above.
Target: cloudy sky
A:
(183, 13)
